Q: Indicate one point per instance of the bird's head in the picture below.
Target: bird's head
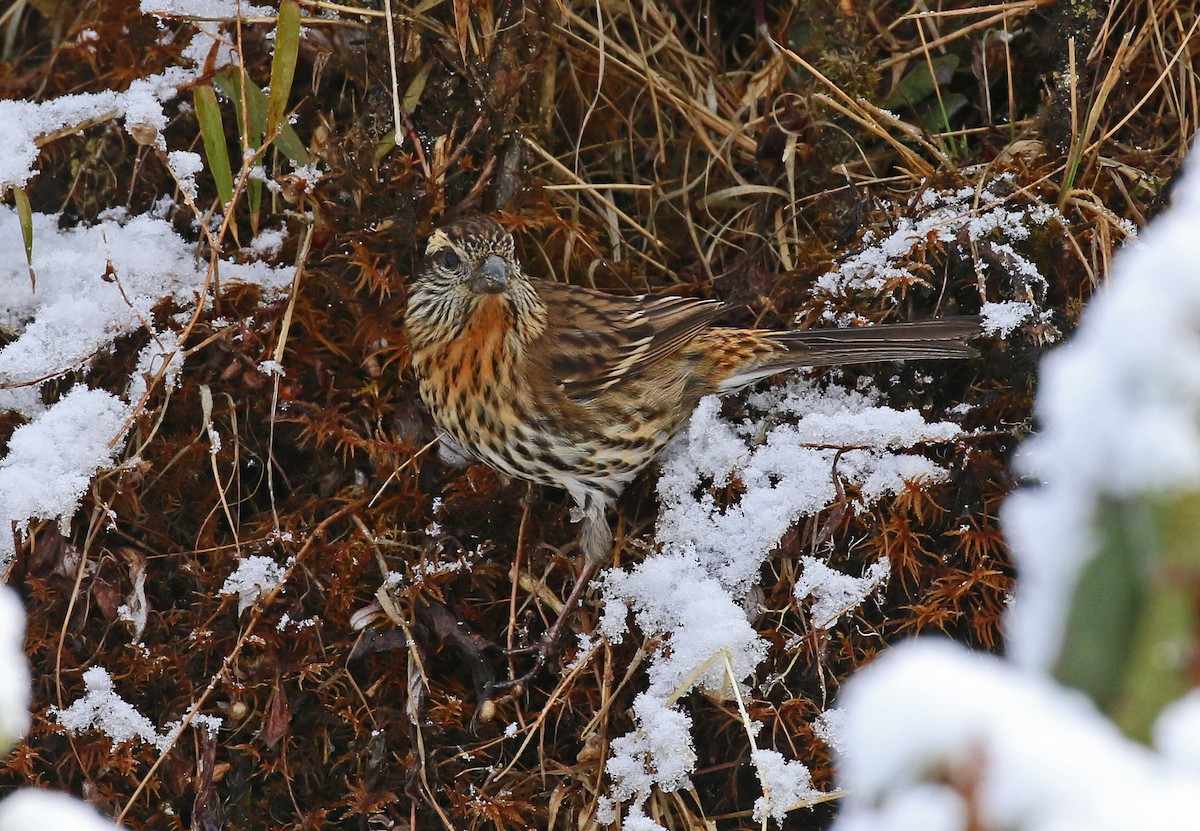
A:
(469, 264)
(471, 256)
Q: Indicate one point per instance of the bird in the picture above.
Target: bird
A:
(580, 389)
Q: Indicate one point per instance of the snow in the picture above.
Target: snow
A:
(29, 807)
(830, 727)
(977, 222)
(930, 715)
(253, 576)
(694, 594)
(205, 9)
(637, 820)
(1002, 318)
(919, 808)
(786, 784)
(269, 242)
(658, 752)
(1118, 409)
(936, 736)
(34, 808)
(185, 165)
(14, 670)
(1177, 734)
(52, 459)
(103, 709)
(23, 123)
(75, 312)
(788, 475)
(835, 593)
(95, 284)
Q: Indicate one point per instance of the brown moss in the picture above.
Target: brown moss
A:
(331, 727)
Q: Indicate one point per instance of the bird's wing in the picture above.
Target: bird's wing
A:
(600, 339)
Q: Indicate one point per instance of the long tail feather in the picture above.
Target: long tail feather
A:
(944, 338)
(923, 340)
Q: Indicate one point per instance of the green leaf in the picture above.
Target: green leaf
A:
(287, 142)
(25, 216)
(935, 115)
(1107, 603)
(416, 87)
(386, 145)
(283, 64)
(1161, 666)
(255, 109)
(212, 130)
(1132, 627)
(919, 84)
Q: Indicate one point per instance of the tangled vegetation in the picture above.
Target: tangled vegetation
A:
(742, 151)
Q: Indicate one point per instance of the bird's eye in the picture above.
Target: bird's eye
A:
(450, 259)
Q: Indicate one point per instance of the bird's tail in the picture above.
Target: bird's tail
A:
(923, 340)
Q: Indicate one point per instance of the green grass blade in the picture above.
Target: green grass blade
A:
(212, 130)
(283, 64)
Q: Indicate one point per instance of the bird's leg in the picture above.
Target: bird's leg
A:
(595, 539)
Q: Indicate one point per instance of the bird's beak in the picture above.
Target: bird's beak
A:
(491, 276)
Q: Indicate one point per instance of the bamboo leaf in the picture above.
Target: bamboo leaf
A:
(212, 131)
(287, 142)
(255, 110)
(283, 64)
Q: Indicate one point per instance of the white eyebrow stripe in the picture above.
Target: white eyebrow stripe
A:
(437, 241)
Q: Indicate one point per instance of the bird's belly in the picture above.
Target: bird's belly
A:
(535, 449)
(510, 428)
(574, 462)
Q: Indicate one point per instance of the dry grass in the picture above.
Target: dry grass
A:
(713, 149)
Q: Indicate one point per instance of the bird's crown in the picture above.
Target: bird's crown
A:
(471, 237)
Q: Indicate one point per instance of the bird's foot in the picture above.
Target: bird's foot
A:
(549, 645)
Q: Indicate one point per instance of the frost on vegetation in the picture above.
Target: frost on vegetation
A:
(658, 752)
(786, 785)
(309, 174)
(693, 593)
(51, 460)
(14, 670)
(979, 223)
(272, 368)
(103, 709)
(31, 808)
(253, 576)
(834, 593)
(185, 165)
(1002, 318)
(95, 285)
(1040, 758)
(830, 726)
(204, 9)
(1118, 408)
